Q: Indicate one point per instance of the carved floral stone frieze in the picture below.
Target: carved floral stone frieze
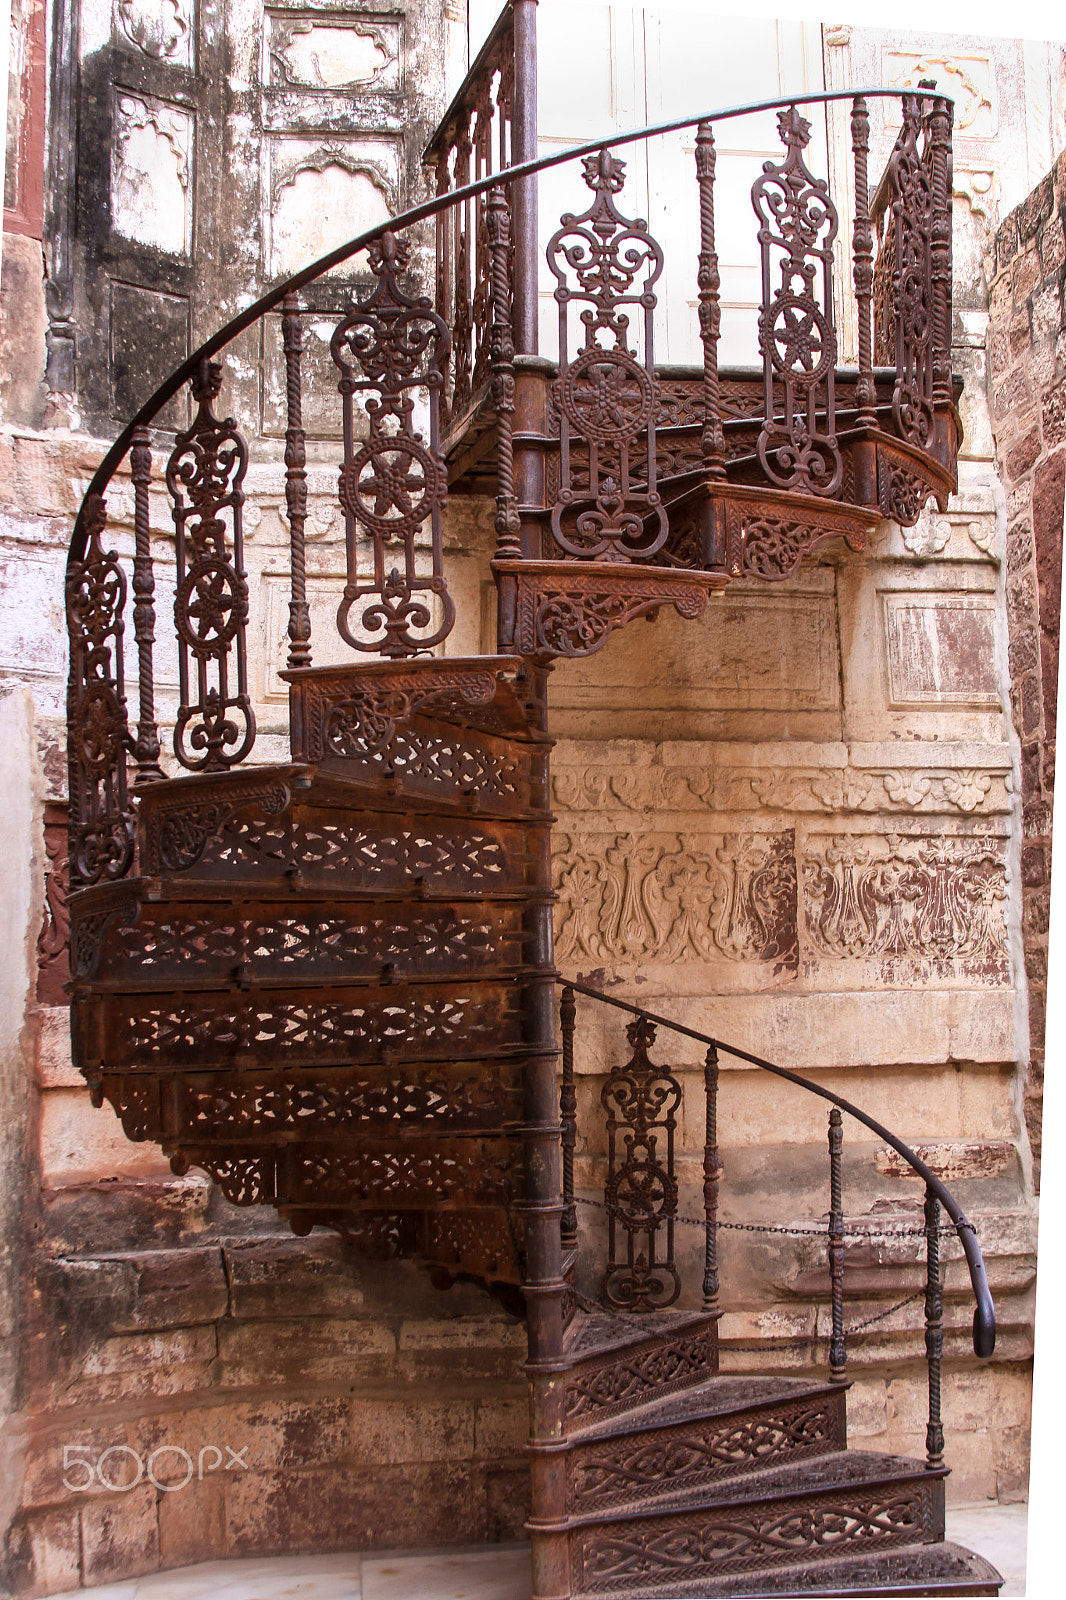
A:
(696, 787)
(920, 897)
(676, 897)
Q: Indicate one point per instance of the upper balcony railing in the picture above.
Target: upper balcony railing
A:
(618, 487)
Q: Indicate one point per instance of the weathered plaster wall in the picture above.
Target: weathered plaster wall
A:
(1027, 379)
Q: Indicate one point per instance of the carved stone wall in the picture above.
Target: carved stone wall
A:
(1027, 382)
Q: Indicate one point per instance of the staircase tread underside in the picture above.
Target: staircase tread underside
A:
(921, 1569)
(715, 1397)
(849, 1470)
(592, 1334)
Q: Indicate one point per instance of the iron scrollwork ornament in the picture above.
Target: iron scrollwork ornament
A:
(608, 507)
(641, 1101)
(797, 445)
(909, 244)
(101, 820)
(215, 726)
(388, 348)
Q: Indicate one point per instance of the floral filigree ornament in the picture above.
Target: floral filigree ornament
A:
(101, 820)
(909, 243)
(641, 1101)
(797, 445)
(215, 725)
(388, 349)
(608, 505)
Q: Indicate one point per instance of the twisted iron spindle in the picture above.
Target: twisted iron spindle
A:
(569, 1117)
(295, 484)
(837, 1352)
(934, 1332)
(498, 225)
(863, 249)
(146, 744)
(940, 121)
(711, 1171)
(709, 282)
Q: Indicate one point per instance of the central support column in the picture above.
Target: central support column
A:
(544, 1285)
(524, 148)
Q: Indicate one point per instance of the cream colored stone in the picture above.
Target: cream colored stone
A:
(79, 1143)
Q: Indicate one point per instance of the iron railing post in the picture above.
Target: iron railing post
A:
(837, 1352)
(863, 251)
(568, 1116)
(146, 744)
(934, 1332)
(498, 225)
(295, 485)
(711, 1171)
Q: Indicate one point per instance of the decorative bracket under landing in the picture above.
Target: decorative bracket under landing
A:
(570, 608)
(761, 533)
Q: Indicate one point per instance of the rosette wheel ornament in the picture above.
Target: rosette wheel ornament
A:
(392, 350)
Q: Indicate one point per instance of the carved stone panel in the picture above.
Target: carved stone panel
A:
(331, 50)
(940, 649)
(151, 173)
(162, 30)
(677, 897)
(318, 193)
(915, 901)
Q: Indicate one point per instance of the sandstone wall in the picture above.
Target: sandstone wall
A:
(1027, 366)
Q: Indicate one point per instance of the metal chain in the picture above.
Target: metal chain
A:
(948, 1230)
(597, 1308)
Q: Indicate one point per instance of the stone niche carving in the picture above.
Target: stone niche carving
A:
(940, 648)
(331, 51)
(323, 194)
(969, 80)
(160, 29)
(669, 897)
(926, 897)
(703, 786)
(151, 173)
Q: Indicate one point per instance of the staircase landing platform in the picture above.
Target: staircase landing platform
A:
(499, 1572)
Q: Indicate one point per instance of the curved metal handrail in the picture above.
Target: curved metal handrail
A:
(404, 219)
(984, 1316)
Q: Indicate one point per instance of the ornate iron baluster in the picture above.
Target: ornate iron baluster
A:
(641, 1190)
(207, 466)
(445, 267)
(608, 504)
(912, 291)
(939, 156)
(796, 333)
(863, 250)
(837, 1353)
(934, 1331)
(102, 825)
(388, 348)
(711, 1173)
(463, 320)
(295, 485)
(568, 1116)
(146, 745)
(709, 283)
(508, 539)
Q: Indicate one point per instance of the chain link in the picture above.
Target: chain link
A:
(598, 1308)
(948, 1230)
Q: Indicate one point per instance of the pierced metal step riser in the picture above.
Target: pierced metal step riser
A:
(626, 1379)
(627, 1556)
(608, 1472)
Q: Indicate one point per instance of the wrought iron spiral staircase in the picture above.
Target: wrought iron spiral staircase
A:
(329, 981)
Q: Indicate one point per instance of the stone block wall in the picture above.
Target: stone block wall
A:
(1027, 376)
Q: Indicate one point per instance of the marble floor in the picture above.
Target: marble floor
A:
(500, 1572)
